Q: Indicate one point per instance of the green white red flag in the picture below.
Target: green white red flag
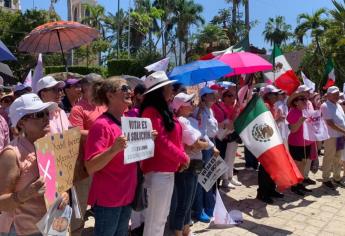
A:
(259, 133)
(282, 76)
(330, 74)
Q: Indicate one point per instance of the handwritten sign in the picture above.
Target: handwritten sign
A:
(139, 139)
(57, 157)
(213, 169)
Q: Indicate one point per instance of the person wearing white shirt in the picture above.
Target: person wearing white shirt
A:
(208, 126)
(186, 181)
(334, 116)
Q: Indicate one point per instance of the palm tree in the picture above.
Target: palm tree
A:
(116, 25)
(95, 18)
(314, 23)
(223, 18)
(187, 13)
(277, 31)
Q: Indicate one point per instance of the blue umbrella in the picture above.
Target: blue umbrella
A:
(5, 54)
(199, 71)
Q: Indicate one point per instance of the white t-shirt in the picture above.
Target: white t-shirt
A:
(333, 111)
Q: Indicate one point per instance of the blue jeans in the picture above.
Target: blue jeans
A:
(205, 200)
(112, 221)
(182, 200)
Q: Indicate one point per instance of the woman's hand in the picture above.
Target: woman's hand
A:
(154, 134)
(216, 152)
(184, 166)
(34, 189)
(120, 144)
(65, 200)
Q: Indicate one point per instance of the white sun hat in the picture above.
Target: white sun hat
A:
(333, 89)
(27, 104)
(180, 100)
(270, 89)
(157, 80)
(303, 88)
(48, 82)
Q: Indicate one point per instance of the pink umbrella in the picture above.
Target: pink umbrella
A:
(244, 63)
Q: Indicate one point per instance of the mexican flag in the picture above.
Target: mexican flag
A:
(330, 74)
(259, 133)
(283, 76)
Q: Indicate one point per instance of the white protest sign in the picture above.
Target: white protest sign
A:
(213, 169)
(139, 139)
(314, 127)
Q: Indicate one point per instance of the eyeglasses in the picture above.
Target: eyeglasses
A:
(125, 88)
(38, 115)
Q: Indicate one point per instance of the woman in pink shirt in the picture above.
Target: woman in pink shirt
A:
(169, 155)
(299, 147)
(21, 189)
(113, 183)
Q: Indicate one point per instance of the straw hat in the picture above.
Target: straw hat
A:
(293, 96)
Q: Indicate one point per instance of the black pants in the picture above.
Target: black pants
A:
(266, 184)
(221, 146)
(250, 159)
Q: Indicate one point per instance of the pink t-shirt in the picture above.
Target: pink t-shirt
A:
(58, 121)
(84, 114)
(296, 139)
(114, 185)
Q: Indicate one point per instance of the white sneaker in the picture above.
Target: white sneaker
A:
(235, 182)
(227, 184)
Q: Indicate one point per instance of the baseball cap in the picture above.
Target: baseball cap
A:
(205, 90)
(180, 100)
(270, 89)
(333, 89)
(71, 81)
(303, 88)
(27, 104)
(48, 82)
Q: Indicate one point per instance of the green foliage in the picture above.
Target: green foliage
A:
(14, 26)
(83, 70)
(277, 31)
(125, 67)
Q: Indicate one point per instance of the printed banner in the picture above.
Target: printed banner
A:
(57, 157)
(314, 127)
(213, 169)
(139, 139)
(55, 222)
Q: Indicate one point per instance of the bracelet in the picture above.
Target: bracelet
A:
(16, 199)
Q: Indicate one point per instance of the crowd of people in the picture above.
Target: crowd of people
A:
(188, 130)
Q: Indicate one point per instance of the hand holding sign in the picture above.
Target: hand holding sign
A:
(120, 144)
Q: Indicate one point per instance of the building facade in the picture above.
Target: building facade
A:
(13, 5)
(77, 10)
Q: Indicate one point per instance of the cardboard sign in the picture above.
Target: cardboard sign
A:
(57, 157)
(213, 169)
(139, 139)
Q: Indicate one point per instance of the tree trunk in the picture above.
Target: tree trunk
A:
(246, 12)
(234, 12)
(180, 52)
(163, 39)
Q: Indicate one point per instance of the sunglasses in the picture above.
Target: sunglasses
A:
(38, 115)
(125, 88)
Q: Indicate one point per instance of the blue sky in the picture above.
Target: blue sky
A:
(260, 10)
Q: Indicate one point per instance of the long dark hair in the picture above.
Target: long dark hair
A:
(156, 99)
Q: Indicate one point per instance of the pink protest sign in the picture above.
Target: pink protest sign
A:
(58, 162)
(47, 168)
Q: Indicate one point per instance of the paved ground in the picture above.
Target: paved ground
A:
(322, 212)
